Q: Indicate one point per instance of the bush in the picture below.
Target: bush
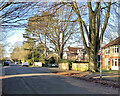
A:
(79, 62)
(52, 60)
(30, 62)
(63, 61)
(46, 63)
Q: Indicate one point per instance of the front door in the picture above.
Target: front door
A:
(114, 64)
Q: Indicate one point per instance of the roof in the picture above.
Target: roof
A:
(112, 43)
(74, 48)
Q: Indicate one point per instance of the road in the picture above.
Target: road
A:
(29, 80)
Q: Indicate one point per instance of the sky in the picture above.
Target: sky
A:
(17, 36)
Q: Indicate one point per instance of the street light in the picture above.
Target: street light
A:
(101, 45)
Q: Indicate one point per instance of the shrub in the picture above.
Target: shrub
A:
(52, 60)
(63, 61)
(46, 63)
(30, 62)
(80, 62)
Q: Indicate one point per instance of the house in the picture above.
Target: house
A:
(111, 55)
(75, 53)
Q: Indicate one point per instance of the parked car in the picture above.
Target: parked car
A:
(24, 64)
(52, 65)
(16, 62)
(6, 63)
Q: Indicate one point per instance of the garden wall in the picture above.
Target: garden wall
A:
(38, 64)
(80, 66)
(64, 66)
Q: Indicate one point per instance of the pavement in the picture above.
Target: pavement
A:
(108, 78)
(1, 73)
(105, 75)
(41, 80)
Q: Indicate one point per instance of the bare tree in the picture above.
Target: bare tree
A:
(2, 51)
(60, 31)
(89, 14)
(13, 15)
(36, 29)
(113, 24)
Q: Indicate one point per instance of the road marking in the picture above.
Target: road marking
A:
(23, 75)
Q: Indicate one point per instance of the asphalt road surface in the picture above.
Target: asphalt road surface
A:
(29, 80)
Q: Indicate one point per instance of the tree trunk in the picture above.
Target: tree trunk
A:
(61, 55)
(45, 50)
(93, 62)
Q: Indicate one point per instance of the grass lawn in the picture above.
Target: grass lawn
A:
(111, 71)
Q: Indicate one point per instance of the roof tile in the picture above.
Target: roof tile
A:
(114, 42)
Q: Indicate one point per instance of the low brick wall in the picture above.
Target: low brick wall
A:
(80, 66)
(38, 64)
(64, 66)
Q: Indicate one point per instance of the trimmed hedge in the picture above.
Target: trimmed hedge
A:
(63, 61)
(79, 62)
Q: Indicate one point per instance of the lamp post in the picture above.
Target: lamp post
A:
(100, 43)
(101, 47)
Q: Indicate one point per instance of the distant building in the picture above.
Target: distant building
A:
(111, 55)
(75, 53)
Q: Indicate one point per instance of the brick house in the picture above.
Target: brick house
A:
(75, 53)
(111, 55)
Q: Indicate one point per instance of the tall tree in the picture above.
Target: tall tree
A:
(13, 15)
(2, 51)
(19, 53)
(36, 29)
(88, 14)
(60, 31)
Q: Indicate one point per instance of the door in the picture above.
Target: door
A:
(114, 64)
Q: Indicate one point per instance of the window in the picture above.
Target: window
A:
(119, 62)
(107, 51)
(115, 49)
(107, 61)
(116, 60)
(112, 62)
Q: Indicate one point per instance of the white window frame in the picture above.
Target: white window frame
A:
(113, 67)
(115, 48)
(107, 50)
